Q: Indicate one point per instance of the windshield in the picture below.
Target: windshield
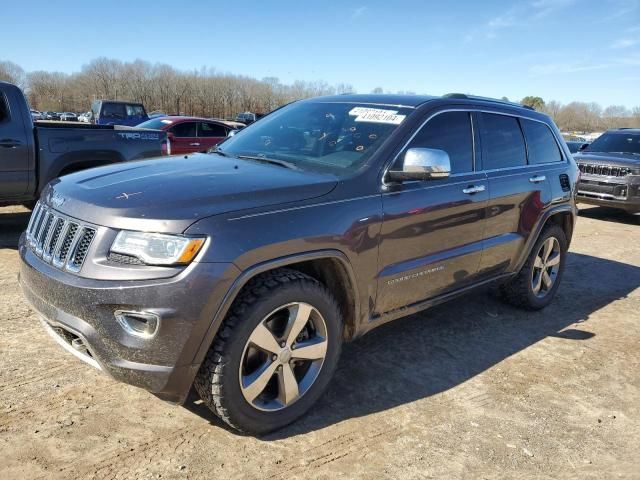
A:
(616, 143)
(331, 137)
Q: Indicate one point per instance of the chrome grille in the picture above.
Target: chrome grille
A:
(604, 170)
(57, 239)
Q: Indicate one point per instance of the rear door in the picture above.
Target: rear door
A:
(519, 191)
(185, 138)
(15, 152)
(432, 230)
(210, 134)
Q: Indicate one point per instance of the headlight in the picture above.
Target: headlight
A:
(157, 248)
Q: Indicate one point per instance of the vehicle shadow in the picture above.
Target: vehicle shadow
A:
(12, 225)
(441, 348)
(610, 215)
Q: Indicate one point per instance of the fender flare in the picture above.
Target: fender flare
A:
(533, 237)
(257, 269)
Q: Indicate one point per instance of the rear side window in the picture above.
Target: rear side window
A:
(185, 129)
(451, 132)
(211, 130)
(541, 144)
(502, 142)
(135, 111)
(4, 110)
(113, 110)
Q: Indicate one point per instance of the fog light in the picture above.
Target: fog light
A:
(140, 324)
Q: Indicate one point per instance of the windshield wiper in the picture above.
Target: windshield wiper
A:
(272, 161)
(219, 152)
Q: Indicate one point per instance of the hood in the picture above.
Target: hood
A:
(603, 158)
(168, 194)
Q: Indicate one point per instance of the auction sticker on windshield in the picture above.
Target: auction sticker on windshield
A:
(377, 115)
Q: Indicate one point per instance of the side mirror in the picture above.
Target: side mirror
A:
(170, 135)
(583, 147)
(422, 164)
(232, 133)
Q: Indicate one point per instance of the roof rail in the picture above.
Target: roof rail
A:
(485, 99)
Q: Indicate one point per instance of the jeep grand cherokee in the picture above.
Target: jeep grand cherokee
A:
(244, 270)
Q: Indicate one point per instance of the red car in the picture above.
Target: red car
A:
(191, 134)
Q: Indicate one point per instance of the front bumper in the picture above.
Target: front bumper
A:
(617, 192)
(79, 313)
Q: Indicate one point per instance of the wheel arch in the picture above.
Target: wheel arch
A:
(330, 267)
(564, 216)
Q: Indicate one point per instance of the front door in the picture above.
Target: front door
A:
(432, 231)
(15, 153)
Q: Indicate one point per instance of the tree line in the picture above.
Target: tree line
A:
(211, 93)
(205, 92)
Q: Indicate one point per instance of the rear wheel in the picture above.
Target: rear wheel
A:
(275, 353)
(537, 282)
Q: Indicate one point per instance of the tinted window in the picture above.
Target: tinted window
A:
(451, 132)
(541, 144)
(211, 130)
(4, 110)
(113, 110)
(502, 142)
(185, 129)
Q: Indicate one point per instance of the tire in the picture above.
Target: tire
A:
(271, 300)
(521, 290)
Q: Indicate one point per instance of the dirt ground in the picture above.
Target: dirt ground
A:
(472, 389)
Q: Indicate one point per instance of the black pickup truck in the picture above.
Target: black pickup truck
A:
(32, 155)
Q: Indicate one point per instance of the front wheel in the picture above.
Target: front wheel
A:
(274, 354)
(536, 284)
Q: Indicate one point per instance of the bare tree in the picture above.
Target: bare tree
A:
(10, 72)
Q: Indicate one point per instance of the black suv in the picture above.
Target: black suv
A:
(610, 170)
(244, 270)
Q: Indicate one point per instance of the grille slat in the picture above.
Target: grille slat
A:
(82, 247)
(604, 170)
(46, 225)
(59, 241)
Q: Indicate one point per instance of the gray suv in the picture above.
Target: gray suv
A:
(243, 271)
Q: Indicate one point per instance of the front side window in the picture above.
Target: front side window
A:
(184, 129)
(502, 142)
(451, 132)
(618, 142)
(541, 143)
(332, 137)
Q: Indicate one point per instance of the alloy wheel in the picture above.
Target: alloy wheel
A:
(283, 356)
(545, 267)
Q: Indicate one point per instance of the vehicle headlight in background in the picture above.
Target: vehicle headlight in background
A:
(157, 248)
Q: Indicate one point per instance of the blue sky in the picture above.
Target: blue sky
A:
(558, 49)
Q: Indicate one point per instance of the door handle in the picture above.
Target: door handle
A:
(8, 143)
(537, 178)
(470, 190)
(195, 144)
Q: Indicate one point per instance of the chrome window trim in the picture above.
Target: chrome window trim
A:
(385, 185)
